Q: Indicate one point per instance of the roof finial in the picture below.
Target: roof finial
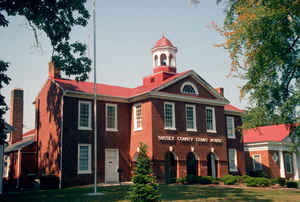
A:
(163, 36)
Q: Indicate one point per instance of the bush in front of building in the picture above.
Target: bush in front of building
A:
(258, 173)
(257, 182)
(144, 189)
(231, 179)
(49, 182)
(279, 180)
(181, 180)
(291, 184)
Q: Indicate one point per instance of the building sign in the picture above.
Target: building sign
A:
(189, 139)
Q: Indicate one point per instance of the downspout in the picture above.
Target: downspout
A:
(61, 138)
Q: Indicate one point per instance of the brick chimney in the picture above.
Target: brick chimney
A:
(16, 114)
(53, 71)
(220, 91)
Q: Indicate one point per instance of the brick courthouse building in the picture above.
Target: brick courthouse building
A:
(188, 125)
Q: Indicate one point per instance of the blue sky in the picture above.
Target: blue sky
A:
(126, 32)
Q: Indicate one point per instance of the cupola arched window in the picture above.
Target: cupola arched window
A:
(189, 88)
(163, 60)
(156, 60)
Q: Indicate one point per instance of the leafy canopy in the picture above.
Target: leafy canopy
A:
(55, 18)
(262, 37)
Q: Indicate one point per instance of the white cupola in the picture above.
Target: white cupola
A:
(164, 56)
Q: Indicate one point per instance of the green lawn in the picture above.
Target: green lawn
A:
(169, 193)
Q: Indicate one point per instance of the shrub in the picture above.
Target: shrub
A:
(258, 173)
(258, 182)
(49, 182)
(231, 179)
(144, 188)
(291, 184)
(282, 182)
(171, 180)
(181, 180)
(204, 180)
(191, 179)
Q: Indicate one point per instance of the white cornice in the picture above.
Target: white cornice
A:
(229, 112)
(264, 146)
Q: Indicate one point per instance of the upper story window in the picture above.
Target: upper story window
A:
(84, 159)
(155, 60)
(189, 88)
(256, 162)
(169, 115)
(190, 118)
(232, 156)
(288, 163)
(210, 120)
(84, 115)
(163, 59)
(111, 117)
(230, 127)
(137, 117)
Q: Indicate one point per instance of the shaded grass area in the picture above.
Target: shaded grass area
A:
(169, 193)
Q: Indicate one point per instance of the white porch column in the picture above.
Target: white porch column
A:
(282, 172)
(295, 165)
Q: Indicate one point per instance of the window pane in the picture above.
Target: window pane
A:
(169, 116)
(111, 116)
(190, 117)
(83, 158)
(232, 162)
(84, 115)
(257, 162)
(230, 126)
(209, 119)
(288, 165)
(138, 116)
(188, 89)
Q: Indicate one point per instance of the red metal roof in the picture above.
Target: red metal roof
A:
(273, 133)
(163, 42)
(230, 107)
(109, 90)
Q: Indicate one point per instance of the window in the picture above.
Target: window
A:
(111, 117)
(232, 156)
(6, 166)
(138, 117)
(169, 114)
(156, 60)
(210, 119)
(257, 162)
(230, 127)
(189, 88)
(190, 117)
(84, 115)
(163, 59)
(288, 163)
(84, 158)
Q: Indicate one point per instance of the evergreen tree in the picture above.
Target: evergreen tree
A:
(144, 188)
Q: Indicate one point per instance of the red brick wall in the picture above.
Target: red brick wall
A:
(16, 114)
(48, 105)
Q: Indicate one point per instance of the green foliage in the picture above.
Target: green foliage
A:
(4, 80)
(55, 18)
(279, 180)
(291, 184)
(231, 179)
(181, 180)
(204, 179)
(144, 188)
(263, 41)
(258, 182)
(258, 173)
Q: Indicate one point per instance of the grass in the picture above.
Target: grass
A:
(169, 193)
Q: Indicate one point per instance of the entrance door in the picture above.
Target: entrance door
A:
(212, 165)
(170, 167)
(111, 165)
(191, 164)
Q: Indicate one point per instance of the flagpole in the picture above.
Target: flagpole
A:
(95, 98)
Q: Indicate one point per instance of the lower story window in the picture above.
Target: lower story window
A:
(257, 162)
(232, 156)
(288, 163)
(84, 158)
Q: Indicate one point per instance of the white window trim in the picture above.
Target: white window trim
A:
(194, 115)
(191, 84)
(253, 162)
(173, 116)
(233, 128)
(90, 115)
(214, 130)
(235, 160)
(290, 161)
(89, 171)
(135, 120)
(7, 159)
(116, 117)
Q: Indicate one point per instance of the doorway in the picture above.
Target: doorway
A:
(212, 165)
(191, 164)
(170, 167)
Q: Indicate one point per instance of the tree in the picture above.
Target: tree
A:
(144, 189)
(55, 18)
(262, 38)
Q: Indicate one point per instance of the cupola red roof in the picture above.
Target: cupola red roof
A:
(163, 42)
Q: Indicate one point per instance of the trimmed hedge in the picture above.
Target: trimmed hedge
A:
(291, 184)
(257, 182)
(231, 179)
